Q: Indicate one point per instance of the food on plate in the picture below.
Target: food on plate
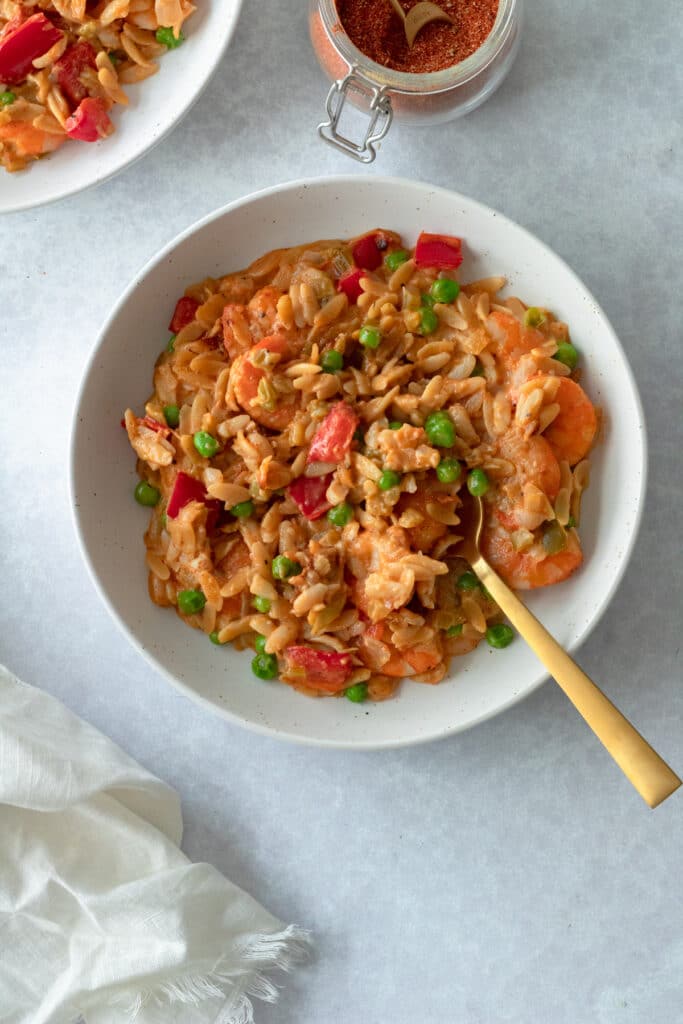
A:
(316, 424)
(63, 65)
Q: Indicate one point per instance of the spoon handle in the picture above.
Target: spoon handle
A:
(643, 766)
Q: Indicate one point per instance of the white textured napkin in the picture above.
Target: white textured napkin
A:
(102, 919)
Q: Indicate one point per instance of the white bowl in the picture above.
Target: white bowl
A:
(156, 107)
(111, 525)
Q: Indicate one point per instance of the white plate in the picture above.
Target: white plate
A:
(156, 107)
(111, 525)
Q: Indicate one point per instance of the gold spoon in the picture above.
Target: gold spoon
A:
(419, 16)
(644, 768)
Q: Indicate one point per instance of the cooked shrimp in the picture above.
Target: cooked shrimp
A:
(379, 654)
(425, 533)
(386, 571)
(526, 570)
(236, 559)
(262, 310)
(512, 338)
(244, 325)
(26, 141)
(246, 378)
(572, 432)
(534, 463)
(236, 334)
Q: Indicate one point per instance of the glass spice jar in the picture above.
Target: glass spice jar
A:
(385, 95)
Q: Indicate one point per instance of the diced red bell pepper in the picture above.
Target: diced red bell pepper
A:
(368, 251)
(444, 252)
(183, 314)
(186, 489)
(153, 424)
(90, 121)
(333, 438)
(308, 492)
(70, 66)
(349, 283)
(20, 44)
(326, 671)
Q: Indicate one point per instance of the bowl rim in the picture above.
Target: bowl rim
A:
(68, 190)
(302, 184)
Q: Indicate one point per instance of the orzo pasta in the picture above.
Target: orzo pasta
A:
(315, 422)
(64, 64)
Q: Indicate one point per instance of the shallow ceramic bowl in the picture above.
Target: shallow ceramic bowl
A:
(156, 107)
(111, 525)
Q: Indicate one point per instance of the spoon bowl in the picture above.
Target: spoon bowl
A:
(418, 16)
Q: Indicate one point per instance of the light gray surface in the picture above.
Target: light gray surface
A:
(509, 874)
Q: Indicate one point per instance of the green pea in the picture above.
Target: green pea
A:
(468, 581)
(440, 430)
(261, 604)
(341, 514)
(172, 415)
(145, 494)
(243, 509)
(213, 637)
(388, 479)
(478, 370)
(284, 567)
(429, 321)
(454, 631)
(260, 644)
(477, 482)
(170, 344)
(395, 425)
(357, 693)
(533, 317)
(369, 337)
(166, 37)
(394, 259)
(191, 601)
(206, 444)
(7, 97)
(114, 58)
(426, 300)
(332, 361)
(571, 523)
(554, 538)
(448, 471)
(445, 289)
(500, 636)
(264, 666)
(567, 354)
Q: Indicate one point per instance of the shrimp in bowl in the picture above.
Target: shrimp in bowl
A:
(314, 424)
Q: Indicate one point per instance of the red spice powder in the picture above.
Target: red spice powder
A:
(377, 31)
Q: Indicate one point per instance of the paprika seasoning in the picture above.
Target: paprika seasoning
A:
(375, 28)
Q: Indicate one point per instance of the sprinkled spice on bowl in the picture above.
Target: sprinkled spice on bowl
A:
(376, 30)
